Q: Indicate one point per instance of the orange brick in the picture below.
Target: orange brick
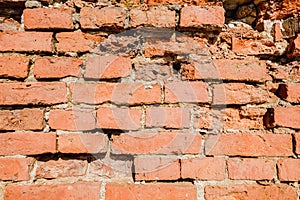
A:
(251, 169)
(78, 190)
(25, 41)
(72, 120)
(56, 67)
(15, 169)
(156, 168)
(27, 143)
(203, 168)
(258, 192)
(25, 119)
(121, 93)
(249, 145)
(186, 92)
(167, 117)
(157, 143)
(168, 191)
(14, 66)
(61, 168)
(33, 93)
(48, 18)
(289, 169)
(82, 143)
(119, 118)
(297, 139)
(107, 67)
(290, 92)
(284, 117)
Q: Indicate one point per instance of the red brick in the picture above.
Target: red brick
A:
(121, 93)
(203, 168)
(82, 143)
(176, 92)
(25, 41)
(156, 168)
(239, 93)
(182, 46)
(15, 169)
(107, 67)
(289, 169)
(48, 18)
(223, 69)
(179, 2)
(284, 117)
(290, 92)
(167, 191)
(249, 145)
(157, 143)
(167, 117)
(33, 93)
(25, 119)
(77, 41)
(14, 66)
(27, 143)
(253, 47)
(78, 190)
(155, 16)
(72, 120)
(257, 192)
(60, 168)
(297, 139)
(56, 67)
(194, 16)
(95, 18)
(251, 169)
(277, 32)
(119, 118)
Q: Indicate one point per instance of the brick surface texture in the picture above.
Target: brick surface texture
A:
(149, 100)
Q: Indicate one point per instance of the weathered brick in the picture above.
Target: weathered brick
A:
(48, 18)
(290, 92)
(177, 92)
(223, 69)
(296, 47)
(249, 144)
(179, 2)
(119, 118)
(82, 143)
(25, 119)
(33, 93)
(283, 117)
(27, 143)
(60, 168)
(56, 67)
(107, 67)
(72, 120)
(196, 16)
(157, 143)
(167, 117)
(155, 16)
(156, 168)
(251, 169)
(297, 140)
(14, 66)
(258, 192)
(253, 47)
(239, 93)
(289, 169)
(145, 71)
(203, 168)
(94, 18)
(25, 41)
(15, 169)
(120, 93)
(78, 190)
(174, 191)
(77, 41)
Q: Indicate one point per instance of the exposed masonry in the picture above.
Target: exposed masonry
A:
(153, 99)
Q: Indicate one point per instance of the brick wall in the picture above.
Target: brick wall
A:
(153, 99)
